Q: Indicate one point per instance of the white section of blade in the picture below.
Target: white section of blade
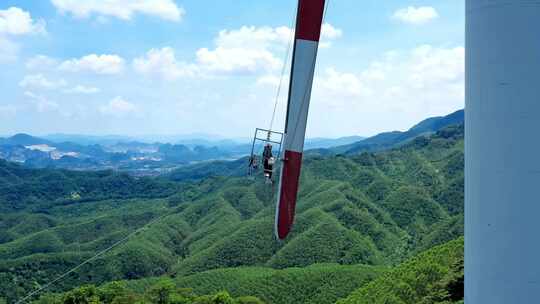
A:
(300, 94)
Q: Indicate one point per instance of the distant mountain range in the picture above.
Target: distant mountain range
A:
(387, 140)
(81, 152)
(188, 140)
(378, 143)
(23, 140)
(143, 156)
(193, 141)
(137, 157)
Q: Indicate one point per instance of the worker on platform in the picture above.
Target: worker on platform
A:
(268, 162)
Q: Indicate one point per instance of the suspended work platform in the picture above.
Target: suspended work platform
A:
(261, 140)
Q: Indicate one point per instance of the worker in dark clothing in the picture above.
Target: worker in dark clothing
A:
(269, 161)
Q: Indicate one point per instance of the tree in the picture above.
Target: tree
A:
(127, 299)
(249, 300)
(222, 298)
(48, 299)
(162, 291)
(183, 296)
(219, 298)
(454, 282)
(111, 291)
(83, 295)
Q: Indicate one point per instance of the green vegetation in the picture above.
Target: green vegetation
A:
(359, 214)
(323, 283)
(39, 190)
(433, 277)
(163, 291)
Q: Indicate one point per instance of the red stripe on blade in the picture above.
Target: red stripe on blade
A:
(288, 192)
(310, 17)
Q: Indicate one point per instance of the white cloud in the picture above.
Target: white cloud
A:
(38, 81)
(269, 80)
(99, 64)
(416, 15)
(8, 50)
(267, 37)
(163, 62)
(393, 92)
(41, 103)
(245, 51)
(252, 37)
(118, 107)
(343, 84)
(425, 77)
(41, 62)
(237, 60)
(328, 34)
(80, 89)
(121, 9)
(253, 49)
(436, 66)
(15, 21)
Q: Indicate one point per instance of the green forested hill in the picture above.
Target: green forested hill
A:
(37, 190)
(316, 284)
(320, 283)
(433, 277)
(374, 209)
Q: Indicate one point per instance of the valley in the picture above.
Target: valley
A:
(362, 216)
(138, 158)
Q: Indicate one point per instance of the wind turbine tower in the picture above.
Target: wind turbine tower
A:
(502, 152)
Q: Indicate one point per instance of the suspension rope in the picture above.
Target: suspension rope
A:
(99, 254)
(284, 68)
(158, 219)
(96, 256)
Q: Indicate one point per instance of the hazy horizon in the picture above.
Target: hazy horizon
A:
(148, 137)
(192, 136)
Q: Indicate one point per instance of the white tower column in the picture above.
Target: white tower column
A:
(502, 152)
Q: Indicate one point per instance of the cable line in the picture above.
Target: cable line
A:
(97, 255)
(283, 69)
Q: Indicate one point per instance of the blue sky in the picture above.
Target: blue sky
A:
(139, 67)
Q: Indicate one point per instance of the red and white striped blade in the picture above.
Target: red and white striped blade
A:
(289, 182)
(308, 31)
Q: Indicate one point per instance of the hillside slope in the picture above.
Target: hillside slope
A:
(372, 208)
(316, 284)
(435, 276)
